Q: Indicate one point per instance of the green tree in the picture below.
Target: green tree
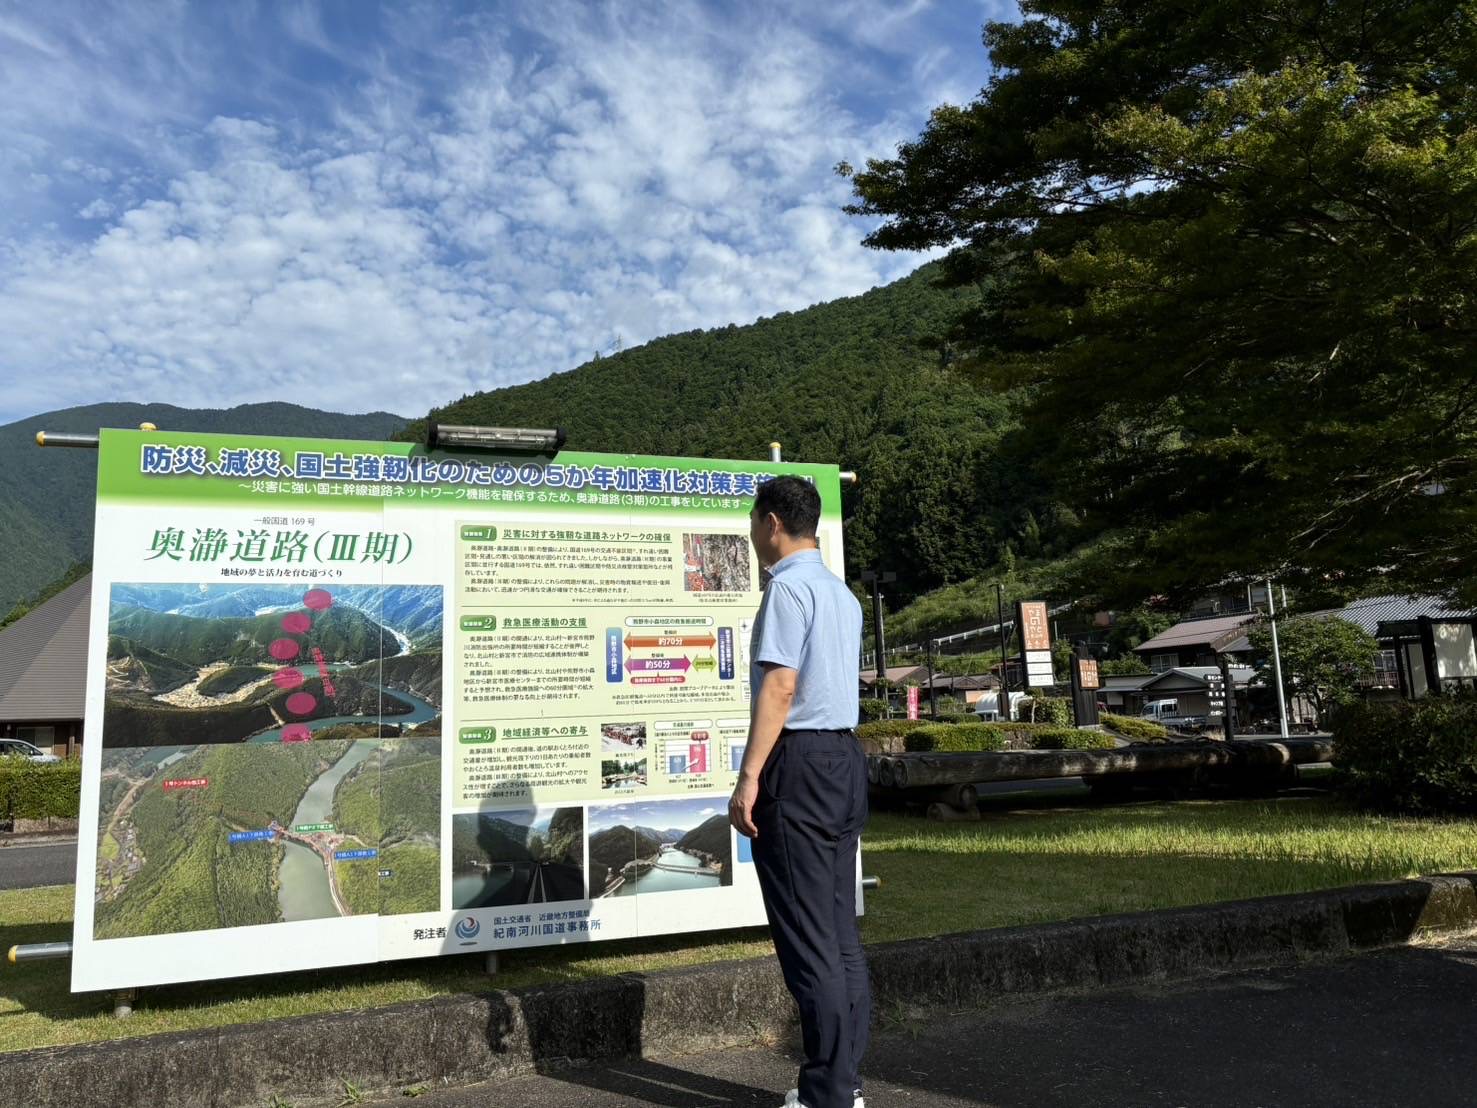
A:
(1133, 627)
(1323, 658)
(1130, 665)
(1230, 247)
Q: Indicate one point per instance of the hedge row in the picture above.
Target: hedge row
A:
(1070, 738)
(960, 738)
(30, 791)
(886, 728)
(1414, 756)
(1141, 730)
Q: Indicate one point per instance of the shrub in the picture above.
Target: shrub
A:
(959, 738)
(1071, 738)
(1055, 710)
(873, 709)
(1416, 756)
(954, 738)
(957, 716)
(886, 728)
(29, 791)
(1139, 730)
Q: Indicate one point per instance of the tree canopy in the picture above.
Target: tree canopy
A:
(1323, 658)
(1231, 250)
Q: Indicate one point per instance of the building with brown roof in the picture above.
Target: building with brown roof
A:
(43, 671)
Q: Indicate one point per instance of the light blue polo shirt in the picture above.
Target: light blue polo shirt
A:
(810, 622)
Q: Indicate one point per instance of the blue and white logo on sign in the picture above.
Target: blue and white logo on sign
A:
(467, 928)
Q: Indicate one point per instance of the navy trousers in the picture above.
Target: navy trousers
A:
(811, 809)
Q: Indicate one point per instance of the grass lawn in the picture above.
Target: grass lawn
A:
(1021, 864)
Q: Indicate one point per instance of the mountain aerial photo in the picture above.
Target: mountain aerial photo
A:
(204, 837)
(190, 664)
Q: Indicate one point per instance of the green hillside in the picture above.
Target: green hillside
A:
(47, 496)
(862, 382)
(193, 877)
(343, 634)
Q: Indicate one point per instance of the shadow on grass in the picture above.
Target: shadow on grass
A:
(43, 988)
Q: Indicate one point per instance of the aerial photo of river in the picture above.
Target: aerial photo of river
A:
(303, 890)
(192, 663)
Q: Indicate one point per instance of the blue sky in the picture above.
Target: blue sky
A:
(363, 207)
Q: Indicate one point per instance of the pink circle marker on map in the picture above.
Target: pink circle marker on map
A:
(287, 678)
(301, 703)
(317, 599)
(284, 650)
(296, 733)
(296, 623)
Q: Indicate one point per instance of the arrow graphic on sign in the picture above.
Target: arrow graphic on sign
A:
(635, 665)
(635, 641)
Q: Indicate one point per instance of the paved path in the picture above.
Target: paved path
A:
(1395, 1029)
(27, 867)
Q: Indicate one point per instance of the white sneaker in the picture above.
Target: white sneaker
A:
(792, 1100)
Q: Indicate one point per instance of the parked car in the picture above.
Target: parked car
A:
(19, 748)
(987, 707)
(1167, 712)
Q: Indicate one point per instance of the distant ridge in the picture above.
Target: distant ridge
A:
(47, 496)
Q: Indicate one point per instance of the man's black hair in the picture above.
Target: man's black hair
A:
(794, 501)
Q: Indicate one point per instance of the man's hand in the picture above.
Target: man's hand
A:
(741, 806)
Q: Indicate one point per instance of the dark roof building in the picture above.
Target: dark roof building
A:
(1432, 645)
(1196, 642)
(43, 671)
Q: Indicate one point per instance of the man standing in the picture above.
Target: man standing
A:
(802, 789)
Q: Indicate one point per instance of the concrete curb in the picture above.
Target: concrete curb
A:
(461, 1039)
(36, 838)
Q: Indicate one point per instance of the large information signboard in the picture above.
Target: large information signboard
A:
(349, 701)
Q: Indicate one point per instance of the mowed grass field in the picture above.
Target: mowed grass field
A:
(1026, 861)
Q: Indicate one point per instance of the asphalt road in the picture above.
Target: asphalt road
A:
(1394, 1029)
(28, 867)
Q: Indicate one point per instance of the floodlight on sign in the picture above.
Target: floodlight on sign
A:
(524, 440)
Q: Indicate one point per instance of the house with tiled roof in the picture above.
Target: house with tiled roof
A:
(1198, 642)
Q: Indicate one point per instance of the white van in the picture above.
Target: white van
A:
(987, 707)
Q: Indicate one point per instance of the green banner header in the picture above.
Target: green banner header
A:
(258, 471)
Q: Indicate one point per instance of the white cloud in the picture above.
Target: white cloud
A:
(468, 204)
(97, 209)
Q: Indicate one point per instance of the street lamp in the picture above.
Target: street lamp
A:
(523, 440)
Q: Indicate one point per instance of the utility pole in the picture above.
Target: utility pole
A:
(876, 578)
(933, 706)
(1277, 660)
(1004, 704)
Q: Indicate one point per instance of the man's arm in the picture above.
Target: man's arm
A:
(771, 708)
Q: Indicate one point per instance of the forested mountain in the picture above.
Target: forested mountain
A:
(947, 487)
(47, 497)
(344, 634)
(712, 838)
(863, 382)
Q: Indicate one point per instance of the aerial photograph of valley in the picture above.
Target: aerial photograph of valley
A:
(202, 837)
(191, 663)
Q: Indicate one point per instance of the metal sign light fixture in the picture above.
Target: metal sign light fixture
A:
(447, 436)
